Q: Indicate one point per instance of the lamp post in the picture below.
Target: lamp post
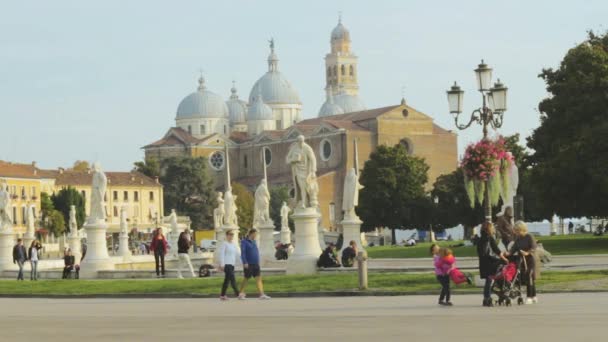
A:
(494, 104)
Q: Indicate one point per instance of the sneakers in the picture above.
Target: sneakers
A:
(223, 298)
(242, 296)
(529, 301)
(448, 304)
(264, 297)
(442, 303)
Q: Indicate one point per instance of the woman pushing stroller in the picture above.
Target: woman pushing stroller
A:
(525, 245)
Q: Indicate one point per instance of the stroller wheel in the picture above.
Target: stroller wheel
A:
(500, 302)
(520, 301)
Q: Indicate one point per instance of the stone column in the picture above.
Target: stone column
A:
(307, 249)
(266, 246)
(351, 231)
(123, 246)
(97, 258)
(7, 242)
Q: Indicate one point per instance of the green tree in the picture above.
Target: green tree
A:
(393, 184)
(150, 167)
(569, 159)
(46, 206)
(278, 195)
(81, 165)
(67, 197)
(188, 188)
(56, 223)
(245, 203)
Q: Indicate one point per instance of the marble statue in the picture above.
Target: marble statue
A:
(73, 224)
(97, 194)
(230, 218)
(285, 215)
(173, 220)
(6, 221)
(30, 220)
(261, 211)
(513, 185)
(219, 212)
(351, 194)
(303, 163)
(123, 220)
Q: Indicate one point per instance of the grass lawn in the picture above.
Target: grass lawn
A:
(391, 282)
(557, 245)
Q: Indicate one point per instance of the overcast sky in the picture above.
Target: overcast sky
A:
(97, 80)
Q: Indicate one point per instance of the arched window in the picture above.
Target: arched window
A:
(343, 70)
(189, 129)
(216, 160)
(267, 155)
(335, 70)
(23, 214)
(203, 130)
(352, 70)
(14, 215)
(407, 144)
(325, 150)
(245, 162)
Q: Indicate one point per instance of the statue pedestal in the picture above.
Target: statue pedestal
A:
(123, 246)
(97, 258)
(7, 242)
(307, 249)
(266, 246)
(75, 246)
(351, 231)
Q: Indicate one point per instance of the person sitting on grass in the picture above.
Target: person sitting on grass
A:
(349, 253)
(328, 257)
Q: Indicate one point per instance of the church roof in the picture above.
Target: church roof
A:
(352, 117)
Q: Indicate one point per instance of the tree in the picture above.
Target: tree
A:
(569, 159)
(278, 195)
(46, 206)
(81, 165)
(188, 188)
(393, 184)
(245, 203)
(150, 167)
(56, 223)
(67, 197)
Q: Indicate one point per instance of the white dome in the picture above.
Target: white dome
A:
(237, 109)
(258, 110)
(202, 104)
(349, 103)
(340, 32)
(273, 86)
(329, 107)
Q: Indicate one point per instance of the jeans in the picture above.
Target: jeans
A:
(184, 258)
(20, 263)
(229, 278)
(530, 284)
(487, 287)
(34, 272)
(159, 259)
(66, 271)
(444, 280)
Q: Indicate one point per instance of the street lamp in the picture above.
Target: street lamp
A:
(494, 104)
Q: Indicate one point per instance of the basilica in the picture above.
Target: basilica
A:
(262, 128)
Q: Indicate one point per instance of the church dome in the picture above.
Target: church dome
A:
(258, 110)
(340, 32)
(237, 109)
(329, 107)
(202, 104)
(349, 103)
(273, 86)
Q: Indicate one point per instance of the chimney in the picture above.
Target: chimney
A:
(156, 179)
(61, 170)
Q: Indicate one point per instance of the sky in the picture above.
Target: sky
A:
(97, 80)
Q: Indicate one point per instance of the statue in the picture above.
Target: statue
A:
(6, 222)
(513, 184)
(173, 220)
(219, 212)
(261, 211)
(97, 194)
(303, 163)
(351, 194)
(271, 42)
(123, 220)
(285, 215)
(230, 218)
(73, 224)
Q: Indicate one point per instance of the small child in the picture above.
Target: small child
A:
(443, 277)
(449, 264)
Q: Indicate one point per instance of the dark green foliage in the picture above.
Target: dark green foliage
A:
(150, 167)
(67, 197)
(278, 195)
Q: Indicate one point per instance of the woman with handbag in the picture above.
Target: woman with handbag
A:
(489, 258)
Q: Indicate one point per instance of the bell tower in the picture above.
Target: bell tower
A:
(341, 64)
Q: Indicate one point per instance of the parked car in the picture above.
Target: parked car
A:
(208, 245)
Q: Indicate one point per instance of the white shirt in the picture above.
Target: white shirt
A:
(229, 254)
(34, 256)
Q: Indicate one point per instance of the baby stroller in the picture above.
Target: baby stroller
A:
(507, 283)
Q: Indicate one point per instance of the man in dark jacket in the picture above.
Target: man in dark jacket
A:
(19, 257)
(250, 257)
(328, 257)
(349, 254)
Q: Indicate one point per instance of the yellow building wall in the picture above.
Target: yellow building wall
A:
(24, 192)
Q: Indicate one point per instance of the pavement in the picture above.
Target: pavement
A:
(558, 317)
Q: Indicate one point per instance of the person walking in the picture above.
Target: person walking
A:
(489, 258)
(159, 246)
(250, 257)
(442, 275)
(228, 255)
(19, 257)
(33, 257)
(184, 242)
(525, 245)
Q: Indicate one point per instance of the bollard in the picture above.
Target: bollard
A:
(362, 268)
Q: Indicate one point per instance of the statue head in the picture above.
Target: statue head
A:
(97, 166)
(300, 140)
